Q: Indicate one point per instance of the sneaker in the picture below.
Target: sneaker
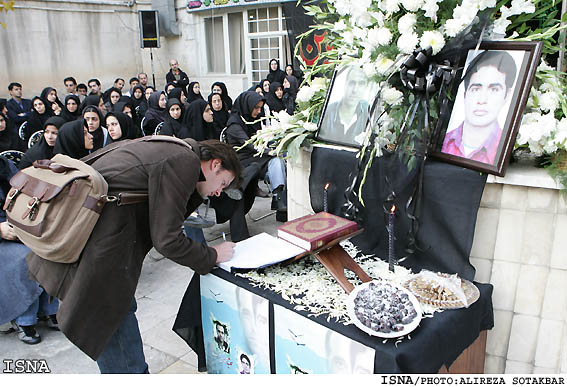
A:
(28, 334)
(261, 193)
(52, 322)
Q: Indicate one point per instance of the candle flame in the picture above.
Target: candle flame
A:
(327, 186)
(393, 209)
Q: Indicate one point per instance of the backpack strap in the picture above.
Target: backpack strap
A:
(126, 198)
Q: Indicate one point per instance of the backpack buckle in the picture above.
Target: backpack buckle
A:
(10, 199)
(31, 212)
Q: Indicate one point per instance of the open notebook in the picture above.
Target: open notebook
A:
(260, 251)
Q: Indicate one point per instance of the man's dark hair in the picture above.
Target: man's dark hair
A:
(133, 79)
(118, 79)
(243, 356)
(82, 86)
(14, 84)
(503, 62)
(94, 80)
(70, 79)
(215, 149)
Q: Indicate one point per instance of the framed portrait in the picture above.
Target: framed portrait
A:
(347, 107)
(490, 94)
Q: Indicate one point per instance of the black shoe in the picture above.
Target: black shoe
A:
(261, 193)
(52, 322)
(28, 334)
(281, 216)
(279, 200)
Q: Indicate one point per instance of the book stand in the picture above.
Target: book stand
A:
(336, 260)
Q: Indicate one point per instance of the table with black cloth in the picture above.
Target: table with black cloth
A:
(449, 203)
(436, 342)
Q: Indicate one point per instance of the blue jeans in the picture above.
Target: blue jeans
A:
(124, 353)
(41, 304)
(276, 173)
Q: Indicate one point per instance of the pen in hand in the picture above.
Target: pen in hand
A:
(224, 236)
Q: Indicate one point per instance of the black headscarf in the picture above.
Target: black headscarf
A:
(98, 133)
(242, 111)
(9, 139)
(7, 170)
(175, 93)
(293, 85)
(91, 100)
(198, 129)
(276, 75)
(45, 92)
(137, 101)
(41, 150)
(167, 85)
(71, 140)
(276, 104)
(220, 117)
(172, 126)
(226, 100)
(36, 120)
(155, 112)
(191, 96)
(261, 84)
(66, 114)
(126, 126)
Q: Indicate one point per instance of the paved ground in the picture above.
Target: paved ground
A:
(159, 293)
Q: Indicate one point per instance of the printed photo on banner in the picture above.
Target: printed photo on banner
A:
(235, 328)
(493, 88)
(347, 107)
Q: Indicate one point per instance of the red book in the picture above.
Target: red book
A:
(313, 231)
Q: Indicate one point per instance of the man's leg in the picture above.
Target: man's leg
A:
(124, 353)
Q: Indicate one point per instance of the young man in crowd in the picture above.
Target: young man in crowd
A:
(18, 108)
(133, 83)
(143, 79)
(70, 85)
(176, 75)
(94, 85)
(98, 309)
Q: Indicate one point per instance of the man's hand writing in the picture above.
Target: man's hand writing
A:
(224, 251)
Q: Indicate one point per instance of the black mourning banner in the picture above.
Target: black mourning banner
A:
(298, 23)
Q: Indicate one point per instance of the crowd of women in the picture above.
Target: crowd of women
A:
(78, 126)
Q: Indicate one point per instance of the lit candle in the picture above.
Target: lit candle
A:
(391, 217)
(325, 198)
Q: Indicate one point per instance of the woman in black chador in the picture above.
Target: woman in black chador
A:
(220, 113)
(194, 92)
(41, 111)
(156, 112)
(276, 74)
(43, 149)
(220, 88)
(198, 120)
(70, 111)
(173, 124)
(9, 139)
(274, 98)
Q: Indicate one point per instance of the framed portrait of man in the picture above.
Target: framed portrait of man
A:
(347, 106)
(491, 93)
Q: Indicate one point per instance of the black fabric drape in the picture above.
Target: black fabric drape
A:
(436, 342)
(450, 202)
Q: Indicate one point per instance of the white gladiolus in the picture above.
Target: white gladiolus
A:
(434, 39)
(340, 25)
(384, 65)
(561, 133)
(379, 37)
(391, 6)
(310, 126)
(548, 101)
(431, 8)
(406, 23)
(318, 83)
(305, 93)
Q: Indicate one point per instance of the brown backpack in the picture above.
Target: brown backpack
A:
(55, 204)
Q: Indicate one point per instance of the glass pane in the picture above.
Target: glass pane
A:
(275, 54)
(252, 14)
(263, 42)
(263, 13)
(274, 25)
(254, 43)
(273, 12)
(255, 54)
(265, 54)
(255, 65)
(274, 42)
(284, 24)
(262, 26)
(252, 27)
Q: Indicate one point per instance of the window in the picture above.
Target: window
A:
(215, 44)
(265, 33)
